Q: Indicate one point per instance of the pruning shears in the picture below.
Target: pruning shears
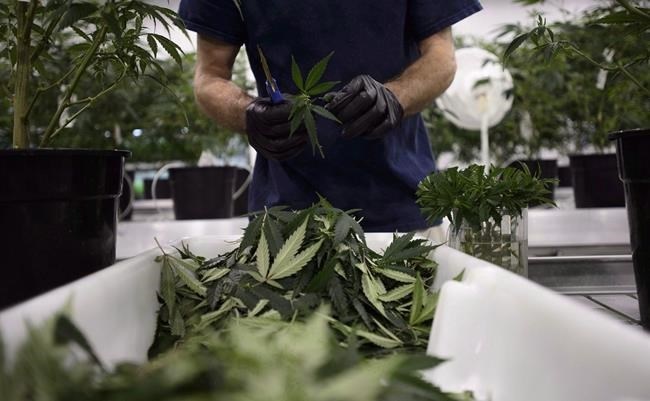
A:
(271, 84)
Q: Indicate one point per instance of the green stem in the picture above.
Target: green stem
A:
(634, 10)
(80, 70)
(617, 67)
(25, 17)
(89, 102)
(41, 90)
(46, 37)
(591, 60)
(632, 78)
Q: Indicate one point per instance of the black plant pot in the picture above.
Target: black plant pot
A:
(564, 175)
(634, 167)
(241, 203)
(202, 192)
(163, 189)
(595, 181)
(544, 168)
(58, 214)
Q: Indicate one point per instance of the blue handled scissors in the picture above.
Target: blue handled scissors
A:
(271, 84)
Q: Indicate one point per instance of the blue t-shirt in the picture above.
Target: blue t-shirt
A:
(374, 37)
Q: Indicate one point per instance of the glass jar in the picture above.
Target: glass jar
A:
(504, 244)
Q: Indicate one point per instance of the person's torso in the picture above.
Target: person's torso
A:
(367, 37)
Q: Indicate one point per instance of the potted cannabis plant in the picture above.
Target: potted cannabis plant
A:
(626, 55)
(58, 206)
(601, 63)
(487, 210)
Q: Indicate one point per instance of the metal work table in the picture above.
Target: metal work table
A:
(551, 232)
(585, 254)
(554, 232)
(605, 283)
(619, 306)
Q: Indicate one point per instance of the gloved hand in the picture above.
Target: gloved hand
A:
(366, 108)
(268, 128)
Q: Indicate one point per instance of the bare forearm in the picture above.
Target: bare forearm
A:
(217, 96)
(429, 76)
(223, 101)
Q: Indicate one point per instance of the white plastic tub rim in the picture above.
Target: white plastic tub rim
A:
(116, 308)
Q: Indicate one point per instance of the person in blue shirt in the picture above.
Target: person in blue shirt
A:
(392, 59)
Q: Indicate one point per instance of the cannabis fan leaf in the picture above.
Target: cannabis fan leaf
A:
(304, 108)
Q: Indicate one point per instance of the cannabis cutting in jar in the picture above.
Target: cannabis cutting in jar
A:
(486, 210)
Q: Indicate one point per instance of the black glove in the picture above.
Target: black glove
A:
(366, 108)
(268, 128)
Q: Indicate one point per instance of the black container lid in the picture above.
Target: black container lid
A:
(64, 152)
(628, 133)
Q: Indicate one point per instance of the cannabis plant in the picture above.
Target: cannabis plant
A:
(601, 64)
(106, 42)
(485, 210)
(635, 20)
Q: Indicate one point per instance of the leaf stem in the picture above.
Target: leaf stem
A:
(632, 78)
(80, 70)
(160, 246)
(632, 9)
(46, 36)
(89, 102)
(41, 90)
(617, 67)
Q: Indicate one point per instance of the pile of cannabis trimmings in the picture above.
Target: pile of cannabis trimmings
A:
(302, 309)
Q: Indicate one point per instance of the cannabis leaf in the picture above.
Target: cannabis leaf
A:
(316, 73)
(296, 75)
(263, 258)
(397, 293)
(372, 292)
(295, 264)
(303, 109)
(418, 300)
(397, 275)
(66, 332)
(290, 247)
(382, 341)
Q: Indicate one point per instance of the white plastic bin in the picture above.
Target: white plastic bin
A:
(506, 338)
